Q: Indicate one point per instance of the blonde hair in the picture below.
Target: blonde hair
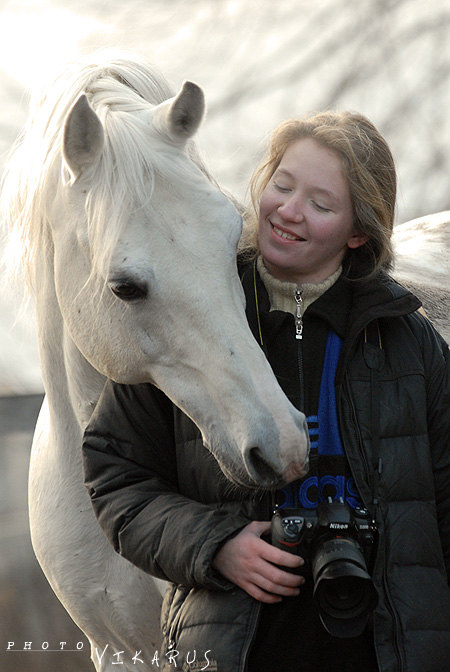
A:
(369, 168)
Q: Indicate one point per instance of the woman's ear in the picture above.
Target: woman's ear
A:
(356, 240)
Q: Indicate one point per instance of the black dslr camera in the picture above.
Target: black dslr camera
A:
(337, 544)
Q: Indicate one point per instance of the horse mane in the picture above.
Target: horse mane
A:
(122, 93)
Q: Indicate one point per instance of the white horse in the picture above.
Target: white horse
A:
(130, 251)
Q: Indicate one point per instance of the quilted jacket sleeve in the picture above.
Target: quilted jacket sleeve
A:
(130, 474)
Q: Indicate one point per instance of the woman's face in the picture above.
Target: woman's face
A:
(306, 216)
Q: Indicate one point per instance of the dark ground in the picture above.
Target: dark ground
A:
(29, 610)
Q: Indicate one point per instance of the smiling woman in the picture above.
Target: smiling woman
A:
(344, 339)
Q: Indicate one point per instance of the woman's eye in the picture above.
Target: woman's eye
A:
(281, 187)
(322, 208)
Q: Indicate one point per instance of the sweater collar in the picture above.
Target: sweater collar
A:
(282, 293)
(333, 305)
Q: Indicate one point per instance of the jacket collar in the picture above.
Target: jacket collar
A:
(378, 298)
(348, 306)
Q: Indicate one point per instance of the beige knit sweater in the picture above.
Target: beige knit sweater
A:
(282, 294)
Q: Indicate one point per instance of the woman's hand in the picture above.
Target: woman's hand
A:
(249, 562)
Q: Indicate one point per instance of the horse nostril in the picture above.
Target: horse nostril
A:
(259, 469)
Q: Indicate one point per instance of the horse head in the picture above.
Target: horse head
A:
(144, 263)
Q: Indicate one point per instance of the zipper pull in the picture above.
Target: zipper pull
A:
(298, 315)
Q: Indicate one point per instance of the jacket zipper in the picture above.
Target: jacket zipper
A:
(299, 336)
(299, 314)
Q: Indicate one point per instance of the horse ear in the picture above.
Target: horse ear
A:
(83, 137)
(180, 117)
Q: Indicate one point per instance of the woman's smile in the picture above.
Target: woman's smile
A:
(285, 235)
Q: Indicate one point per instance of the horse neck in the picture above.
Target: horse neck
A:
(71, 384)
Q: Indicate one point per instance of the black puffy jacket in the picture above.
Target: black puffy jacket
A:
(164, 504)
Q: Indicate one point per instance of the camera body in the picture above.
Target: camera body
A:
(301, 531)
(337, 544)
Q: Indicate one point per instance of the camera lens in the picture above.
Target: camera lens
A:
(345, 596)
(342, 587)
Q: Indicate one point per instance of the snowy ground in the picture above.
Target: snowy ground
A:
(259, 63)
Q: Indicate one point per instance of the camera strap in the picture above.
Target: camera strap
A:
(257, 315)
(375, 358)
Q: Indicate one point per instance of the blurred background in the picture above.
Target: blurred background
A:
(259, 63)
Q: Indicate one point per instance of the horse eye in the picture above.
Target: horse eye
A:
(129, 291)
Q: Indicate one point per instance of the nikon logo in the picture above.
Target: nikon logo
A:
(338, 526)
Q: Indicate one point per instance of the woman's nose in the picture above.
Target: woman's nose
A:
(291, 210)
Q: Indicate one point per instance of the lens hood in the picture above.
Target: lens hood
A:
(343, 588)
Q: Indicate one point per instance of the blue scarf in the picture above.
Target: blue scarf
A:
(329, 474)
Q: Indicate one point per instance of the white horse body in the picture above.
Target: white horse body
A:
(422, 264)
(130, 250)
